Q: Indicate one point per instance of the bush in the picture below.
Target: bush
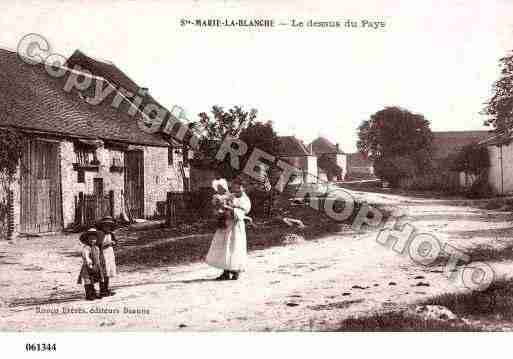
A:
(494, 204)
(394, 169)
(480, 189)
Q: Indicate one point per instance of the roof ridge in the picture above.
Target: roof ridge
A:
(38, 102)
(107, 62)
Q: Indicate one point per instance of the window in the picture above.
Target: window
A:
(116, 158)
(81, 176)
(86, 156)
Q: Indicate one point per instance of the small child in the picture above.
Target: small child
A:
(224, 203)
(107, 258)
(91, 271)
(221, 199)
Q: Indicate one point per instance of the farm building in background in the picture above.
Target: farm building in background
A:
(81, 160)
(331, 160)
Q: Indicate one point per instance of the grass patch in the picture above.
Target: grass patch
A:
(495, 204)
(156, 247)
(400, 322)
(491, 309)
(494, 303)
(482, 253)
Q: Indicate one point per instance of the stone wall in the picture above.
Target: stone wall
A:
(311, 169)
(159, 178)
(112, 181)
(500, 174)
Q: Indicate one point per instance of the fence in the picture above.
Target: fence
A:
(90, 208)
(261, 203)
(187, 207)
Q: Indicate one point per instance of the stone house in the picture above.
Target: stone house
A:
(331, 160)
(500, 173)
(294, 152)
(81, 160)
(289, 149)
(445, 145)
(359, 166)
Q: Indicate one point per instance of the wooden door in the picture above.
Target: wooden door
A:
(41, 203)
(134, 182)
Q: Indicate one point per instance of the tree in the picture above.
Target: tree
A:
(393, 131)
(213, 129)
(500, 107)
(260, 136)
(397, 141)
(472, 160)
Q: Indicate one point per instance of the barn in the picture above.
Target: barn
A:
(80, 160)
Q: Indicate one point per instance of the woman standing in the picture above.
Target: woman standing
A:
(228, 250)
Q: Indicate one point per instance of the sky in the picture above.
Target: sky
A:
(437, 58)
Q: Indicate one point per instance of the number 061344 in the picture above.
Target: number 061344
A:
(44, 347)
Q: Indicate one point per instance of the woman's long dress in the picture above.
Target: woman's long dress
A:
(108, 259)
(228, 250)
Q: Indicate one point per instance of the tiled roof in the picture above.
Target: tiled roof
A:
(33, 100)
(112, 73)
(104, 69)
(447, 143)
(291, 146)
(322, 145)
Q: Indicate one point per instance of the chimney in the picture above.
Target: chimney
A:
(143, 91)
(338, 148)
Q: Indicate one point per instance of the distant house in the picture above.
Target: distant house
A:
(294, 152)
(445, 145)
(359, 166)
(81, 160)
(331, 160)
(500, 173)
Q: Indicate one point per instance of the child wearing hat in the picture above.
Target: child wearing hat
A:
(107, 258)
(91, 271)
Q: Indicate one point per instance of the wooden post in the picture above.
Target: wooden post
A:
(270, 199)
(111, 203)
(168, 209)
(10, 214)
(81, 206)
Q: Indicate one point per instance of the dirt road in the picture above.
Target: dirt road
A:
(305, 286)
